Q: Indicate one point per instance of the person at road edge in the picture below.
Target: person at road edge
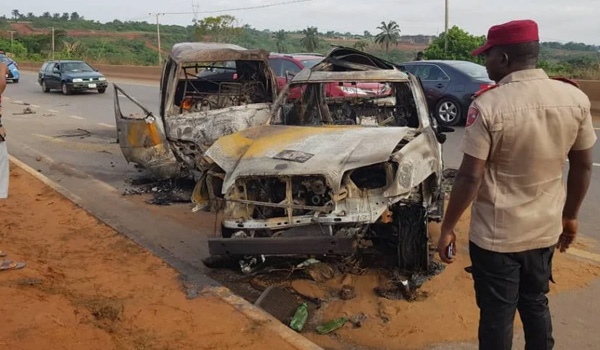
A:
(518, 136)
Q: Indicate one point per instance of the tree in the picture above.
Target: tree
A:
(16, 14)
(367, 34)
(75, 16)
(30, 15)
(390, 32)
(281, 38)
(65, 16)
(361, 45)
(46, 15)
(460, 46)
(73, 50)
(56, 16)
(311, 40)
(218, 29)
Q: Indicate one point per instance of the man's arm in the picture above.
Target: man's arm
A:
(578, 182)
(465, 188)
(3, 72)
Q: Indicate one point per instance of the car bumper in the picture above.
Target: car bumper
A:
(88, 86)
(11, 75)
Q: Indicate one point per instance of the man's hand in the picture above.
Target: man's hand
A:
(446, 239)
(2, 133)
(568, 235)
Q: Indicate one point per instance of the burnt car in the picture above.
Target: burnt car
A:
(330, 174)
(197, 107)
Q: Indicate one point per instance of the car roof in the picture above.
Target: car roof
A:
(348, 64)
(447, 62)
(67, 61)
(214, 52)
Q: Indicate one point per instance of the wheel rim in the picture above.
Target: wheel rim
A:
(448, 111)
(44, 85)
(64, 89)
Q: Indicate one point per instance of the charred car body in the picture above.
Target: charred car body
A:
(328, 174)
(207, 90)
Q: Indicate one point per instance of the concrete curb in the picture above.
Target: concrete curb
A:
(244, 307)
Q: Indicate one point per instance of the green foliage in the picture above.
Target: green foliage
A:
(390, 32)
(218, 29)
(570, 46)
(460, 46)
(16, 50)
(281, 38)
(361, 45)
(311, 39)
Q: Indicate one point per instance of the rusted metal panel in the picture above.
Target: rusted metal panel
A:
(282, 246)
(214, 52)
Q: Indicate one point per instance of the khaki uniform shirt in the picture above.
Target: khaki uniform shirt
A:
(524, 129)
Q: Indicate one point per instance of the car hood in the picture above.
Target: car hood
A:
(86, 75)
(330, 151)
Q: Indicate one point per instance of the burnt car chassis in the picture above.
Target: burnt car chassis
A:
(329, 176)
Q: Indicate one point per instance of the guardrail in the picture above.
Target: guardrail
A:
(111, 71)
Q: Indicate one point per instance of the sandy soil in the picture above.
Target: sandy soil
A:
(87, 287)
(447, 313)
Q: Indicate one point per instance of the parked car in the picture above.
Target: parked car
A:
(449, 86)
(327, 175)
(13, 68)
(70, 76)
(286, 66)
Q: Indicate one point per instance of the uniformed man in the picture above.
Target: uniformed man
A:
(4, 171)
(518, 137)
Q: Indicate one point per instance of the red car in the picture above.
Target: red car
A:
(286, 66)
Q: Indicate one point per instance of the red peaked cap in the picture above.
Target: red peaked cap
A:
(514, 32)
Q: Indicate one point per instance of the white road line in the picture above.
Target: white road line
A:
(53, 111)
(76, 117)
(6, 98)
(107, 125)
(18, 102)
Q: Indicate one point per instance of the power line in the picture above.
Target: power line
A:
(238, 8)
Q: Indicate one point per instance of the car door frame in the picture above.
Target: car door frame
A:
(433, 91)
(55, 78)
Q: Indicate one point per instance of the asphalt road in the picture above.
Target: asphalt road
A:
(72, 140)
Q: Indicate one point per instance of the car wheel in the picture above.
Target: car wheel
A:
(448, 112)
(45, 87)
(65, 89)
(103, 90)
(415, 252)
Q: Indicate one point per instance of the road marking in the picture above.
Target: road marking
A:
(53, 111)
(107, 125)
(6, 98)
(49, 138)
(18, 102)
(584, 254)
(35, 106)
(76, 117)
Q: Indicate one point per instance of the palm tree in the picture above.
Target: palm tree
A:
(310, 40)
(281, 38)
(361, 45)
(389, 34)
(16, 14)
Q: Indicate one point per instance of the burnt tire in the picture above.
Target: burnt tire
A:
(414, 248)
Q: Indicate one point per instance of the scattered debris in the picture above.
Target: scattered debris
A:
(308, 290)
(307, 263)
(358, 320)
(332, 325)
(300, 317)
(249, 264)
(77, 133)
(320, 272)
(347, 292)
(165, 192)
(30, 282)
(278, 302)
(26, 110)
(448, 179)
(38, 158)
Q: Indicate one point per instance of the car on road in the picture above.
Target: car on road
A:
(286, 66)
(13, 68)
(326, 174)
(449, 86)
(70, 76)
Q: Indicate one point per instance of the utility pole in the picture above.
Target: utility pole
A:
(158, 36)
(53, 43)
(12, 38)
(446, 31)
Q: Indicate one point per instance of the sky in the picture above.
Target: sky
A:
(559, 20)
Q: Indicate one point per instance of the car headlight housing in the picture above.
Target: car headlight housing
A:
(351, 90)
(102, 79)
(77, 80)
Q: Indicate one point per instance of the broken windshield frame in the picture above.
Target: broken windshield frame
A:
(364, 103)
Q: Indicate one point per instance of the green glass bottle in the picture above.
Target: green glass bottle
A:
(300, 317)
(331, 325)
